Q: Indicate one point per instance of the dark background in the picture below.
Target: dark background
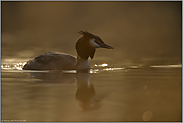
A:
(139, 31)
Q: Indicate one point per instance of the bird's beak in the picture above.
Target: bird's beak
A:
(103, 45)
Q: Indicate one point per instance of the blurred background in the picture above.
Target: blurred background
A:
(140, 32)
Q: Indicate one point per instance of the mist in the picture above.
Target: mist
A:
(139, 31)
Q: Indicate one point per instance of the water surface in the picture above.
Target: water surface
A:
(138, 81)
(130, 93)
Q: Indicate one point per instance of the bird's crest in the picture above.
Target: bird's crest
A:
(90, 35)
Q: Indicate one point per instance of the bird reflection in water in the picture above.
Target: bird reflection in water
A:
(85, 93)
(53, 77)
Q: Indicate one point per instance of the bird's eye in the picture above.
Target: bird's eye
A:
(97, 42)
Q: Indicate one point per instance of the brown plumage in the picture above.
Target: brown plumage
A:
(85, 47)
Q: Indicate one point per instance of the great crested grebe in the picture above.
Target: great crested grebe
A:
(85, 48)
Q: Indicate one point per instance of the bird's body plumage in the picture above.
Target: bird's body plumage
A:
(85, 47)
(52, 61)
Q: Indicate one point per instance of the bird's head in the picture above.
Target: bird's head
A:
(88, 43)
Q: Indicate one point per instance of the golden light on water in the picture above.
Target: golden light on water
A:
(168, 66)
(94, 71)
(134, 66)
(107, 69)
(101, 65)
(112, 69)
(17, 66)
(104, 65)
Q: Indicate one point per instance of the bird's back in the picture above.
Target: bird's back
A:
(51, 61)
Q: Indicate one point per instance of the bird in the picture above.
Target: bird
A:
(85, 47)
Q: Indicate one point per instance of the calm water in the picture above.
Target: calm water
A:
(107, 94)
(141, 80)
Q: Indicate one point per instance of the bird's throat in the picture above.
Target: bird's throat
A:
(82, 65)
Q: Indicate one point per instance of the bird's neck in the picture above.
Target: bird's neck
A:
(82, 65)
